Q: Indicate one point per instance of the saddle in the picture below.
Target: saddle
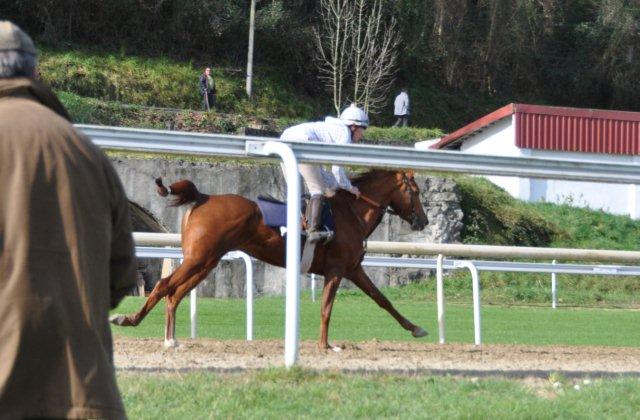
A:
(274, 212)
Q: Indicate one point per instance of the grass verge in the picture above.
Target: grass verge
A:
(305, 394)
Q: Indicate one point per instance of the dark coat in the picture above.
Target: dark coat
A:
(204, 85)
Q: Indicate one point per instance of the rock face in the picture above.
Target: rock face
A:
(440, 198)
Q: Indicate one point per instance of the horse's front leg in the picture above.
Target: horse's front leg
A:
(360, 279)
(329, 291)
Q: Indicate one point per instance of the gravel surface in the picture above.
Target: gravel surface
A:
(517, 361)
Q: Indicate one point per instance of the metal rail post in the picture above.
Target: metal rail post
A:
(292, 320)
(475, 284)
(440, 297)
(249, 293)
(193, 309)
(553, 288)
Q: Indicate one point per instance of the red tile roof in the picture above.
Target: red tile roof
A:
(560, 129)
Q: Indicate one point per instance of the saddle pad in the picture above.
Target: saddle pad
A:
(275, 213)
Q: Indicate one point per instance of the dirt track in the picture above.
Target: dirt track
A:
(373, 356)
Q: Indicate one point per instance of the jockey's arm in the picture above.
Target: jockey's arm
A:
(343, 180)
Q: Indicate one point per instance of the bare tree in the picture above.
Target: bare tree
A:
(357, 51)
(375, 54)
(333, 45)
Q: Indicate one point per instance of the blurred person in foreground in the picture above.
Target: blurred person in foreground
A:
(66, 252)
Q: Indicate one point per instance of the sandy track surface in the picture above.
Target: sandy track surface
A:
(374, 356)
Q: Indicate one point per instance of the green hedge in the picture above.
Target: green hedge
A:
(403, 135)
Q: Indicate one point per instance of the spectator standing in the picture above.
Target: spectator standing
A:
(401, 109)
(66, 252)
(208, 89)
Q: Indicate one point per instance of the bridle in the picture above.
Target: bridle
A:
(404, 187)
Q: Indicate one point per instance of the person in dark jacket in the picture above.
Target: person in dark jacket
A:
(66, 252)
(207, 90)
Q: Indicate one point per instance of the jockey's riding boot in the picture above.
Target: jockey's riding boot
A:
(314, 221)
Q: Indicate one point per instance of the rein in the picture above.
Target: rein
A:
(362, 223)
(370, 201)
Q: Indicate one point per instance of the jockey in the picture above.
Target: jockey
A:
(321, 183)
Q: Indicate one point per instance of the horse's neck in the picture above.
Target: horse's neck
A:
(371, 215)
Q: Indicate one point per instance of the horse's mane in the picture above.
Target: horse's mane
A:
(369, 175)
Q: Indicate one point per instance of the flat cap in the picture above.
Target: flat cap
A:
(12, 38)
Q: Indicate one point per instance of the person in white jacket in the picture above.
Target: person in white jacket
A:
(348, 128)
(401, 109)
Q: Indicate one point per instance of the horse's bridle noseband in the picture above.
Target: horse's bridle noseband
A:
(406, 185)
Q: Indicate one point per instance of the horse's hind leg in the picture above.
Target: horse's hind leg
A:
(175, 297)
(161, 289)
(360, 279)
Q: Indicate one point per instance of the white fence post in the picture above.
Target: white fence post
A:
(313, 287)
(440, 297)
(248, 264)
(193, 310)
(475, 284)
(554, 289)
(193, 307)
(292, 316)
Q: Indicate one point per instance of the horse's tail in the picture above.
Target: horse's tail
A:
(185, 190)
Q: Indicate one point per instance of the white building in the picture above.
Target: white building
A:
(557, 133)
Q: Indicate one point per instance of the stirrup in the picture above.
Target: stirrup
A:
(324, 236)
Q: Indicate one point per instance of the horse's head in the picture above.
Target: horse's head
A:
(405, 200)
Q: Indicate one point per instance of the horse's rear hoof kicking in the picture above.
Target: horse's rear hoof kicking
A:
(121, 320)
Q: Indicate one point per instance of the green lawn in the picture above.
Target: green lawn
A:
(297, 393)
(357, 318)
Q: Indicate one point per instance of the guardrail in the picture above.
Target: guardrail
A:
(361, 155)
(358, 155)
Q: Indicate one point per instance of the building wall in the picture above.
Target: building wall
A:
(612, 198)
(499, 139)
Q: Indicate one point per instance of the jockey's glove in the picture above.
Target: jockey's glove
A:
(355, 191)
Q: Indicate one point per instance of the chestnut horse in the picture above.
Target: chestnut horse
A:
(218, 224)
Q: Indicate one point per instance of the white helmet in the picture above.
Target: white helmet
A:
(355, 116)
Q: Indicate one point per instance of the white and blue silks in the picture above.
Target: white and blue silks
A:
(318, 180)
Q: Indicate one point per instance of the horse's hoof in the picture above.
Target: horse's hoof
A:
(171, 344)
(117, 319)
(419, 332)
(336, 349)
